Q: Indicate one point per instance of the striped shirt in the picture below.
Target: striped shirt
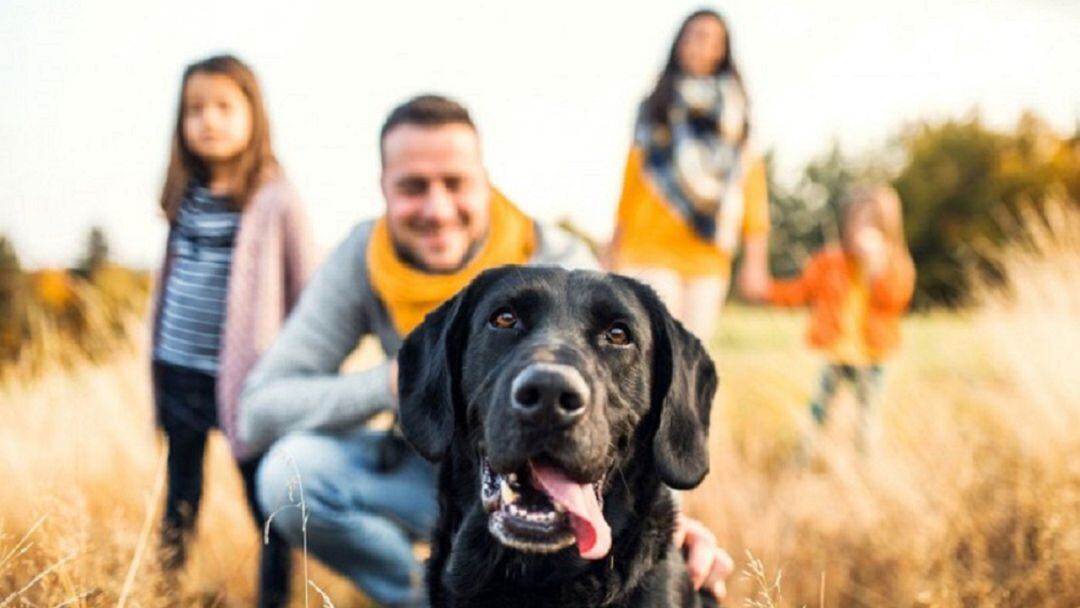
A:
(193, 302)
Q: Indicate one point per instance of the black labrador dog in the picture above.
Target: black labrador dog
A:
(562, 405)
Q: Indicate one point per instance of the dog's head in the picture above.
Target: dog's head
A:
(556, 382)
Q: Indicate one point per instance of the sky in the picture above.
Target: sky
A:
(88, 93)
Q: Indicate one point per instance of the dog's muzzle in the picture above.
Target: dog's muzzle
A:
(538, 508)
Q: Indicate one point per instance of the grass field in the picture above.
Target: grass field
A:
(971, 498)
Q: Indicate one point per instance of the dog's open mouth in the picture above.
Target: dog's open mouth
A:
(540, 510)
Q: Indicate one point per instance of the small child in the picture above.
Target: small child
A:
(238, 252)
(856, 293)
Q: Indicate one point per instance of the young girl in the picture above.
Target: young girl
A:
(856, 293)
(238, 252)
(691, 189)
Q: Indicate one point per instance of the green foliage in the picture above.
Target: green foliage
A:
(962, 187)
(949, 194)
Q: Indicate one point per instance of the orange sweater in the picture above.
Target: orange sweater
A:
(825, 283)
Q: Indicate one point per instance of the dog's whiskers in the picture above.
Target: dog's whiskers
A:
(489, 378)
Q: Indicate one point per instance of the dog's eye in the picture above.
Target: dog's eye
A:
(618, 334)
(503, 318)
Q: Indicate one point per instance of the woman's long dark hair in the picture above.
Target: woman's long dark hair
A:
(657, 103)
(256, 161)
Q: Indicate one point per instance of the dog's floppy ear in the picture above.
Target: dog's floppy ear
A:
(683, 386)
(427, 380)
(429, 372)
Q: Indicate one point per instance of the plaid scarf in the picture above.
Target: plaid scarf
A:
(694, 158)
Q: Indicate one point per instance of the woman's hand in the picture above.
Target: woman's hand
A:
(708, 564)
(753, 279)
(753, 283)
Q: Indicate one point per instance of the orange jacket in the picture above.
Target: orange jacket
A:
(825, 282)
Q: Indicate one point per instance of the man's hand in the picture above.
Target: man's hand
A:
(709, 565)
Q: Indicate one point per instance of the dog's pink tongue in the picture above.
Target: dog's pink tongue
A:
(591, 530)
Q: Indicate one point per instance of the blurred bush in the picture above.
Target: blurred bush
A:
(57, 315)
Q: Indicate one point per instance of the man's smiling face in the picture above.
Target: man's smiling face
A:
(437, 193)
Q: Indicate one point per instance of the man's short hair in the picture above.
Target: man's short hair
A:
(426, 111)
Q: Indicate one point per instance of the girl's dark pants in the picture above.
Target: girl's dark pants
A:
(187, 405)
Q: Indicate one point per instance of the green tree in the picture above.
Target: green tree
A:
(962, 185)
(949, 194)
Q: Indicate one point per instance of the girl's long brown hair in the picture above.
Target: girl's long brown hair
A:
(254, 164)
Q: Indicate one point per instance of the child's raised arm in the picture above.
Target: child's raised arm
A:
(892, 290)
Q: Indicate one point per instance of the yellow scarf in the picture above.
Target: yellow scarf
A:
(409, 294)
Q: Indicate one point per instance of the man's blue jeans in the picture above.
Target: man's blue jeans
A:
(361, 522)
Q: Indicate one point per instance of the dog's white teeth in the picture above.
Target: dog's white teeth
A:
(519, 512)
(512, 479)
(558, 508)
(507, 494)
(545, 517)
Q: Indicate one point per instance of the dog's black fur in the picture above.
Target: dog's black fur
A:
(644, 430)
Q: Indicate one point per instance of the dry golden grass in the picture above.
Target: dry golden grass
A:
(79, 460)
(52, 318)
(971, 498)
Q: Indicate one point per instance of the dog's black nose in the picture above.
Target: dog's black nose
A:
(549, 395)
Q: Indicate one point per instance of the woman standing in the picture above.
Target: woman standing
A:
(691, 189)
